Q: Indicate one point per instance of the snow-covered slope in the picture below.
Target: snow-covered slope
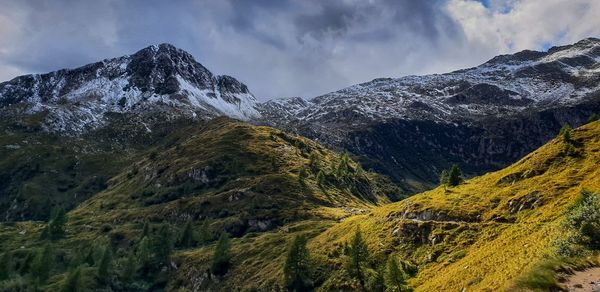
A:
(482, 118)
(158, 77)
(505, 85)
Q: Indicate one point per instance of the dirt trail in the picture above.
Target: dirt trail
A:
(584, 281)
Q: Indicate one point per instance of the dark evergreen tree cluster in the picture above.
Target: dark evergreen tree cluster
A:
(451, 177)
(569, 145)
(221, 258)
(55, 229)
(371, 276)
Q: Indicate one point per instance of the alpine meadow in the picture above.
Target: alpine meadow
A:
(477, 168)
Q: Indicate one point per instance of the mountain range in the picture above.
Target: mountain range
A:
(163, 176)
(481, 118)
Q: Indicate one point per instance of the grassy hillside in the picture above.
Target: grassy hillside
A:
(493, 232)
(258, 184)
(508, 230)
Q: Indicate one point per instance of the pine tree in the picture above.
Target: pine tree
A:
(343, 166)
(358, 255)
(454, 176)
(129, 269)
(394, 279)
(187, 236)
(593, 118)
(297, 274)
(5, 266)
(42, 264)
(162, 245)
(56, 225)
(73, 281)
(565, 133)
(221, 257)
(105, 266)
(144, 254)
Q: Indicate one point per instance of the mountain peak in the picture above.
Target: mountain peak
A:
(156, 76)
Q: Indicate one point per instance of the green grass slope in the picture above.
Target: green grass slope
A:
(259, 184)
(490, 233)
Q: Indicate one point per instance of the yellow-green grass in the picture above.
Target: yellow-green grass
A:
(483, 241)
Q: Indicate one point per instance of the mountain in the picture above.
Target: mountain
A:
(219, 176)
(504, 231)
(509, 230)
(482, 118)
(158, 80)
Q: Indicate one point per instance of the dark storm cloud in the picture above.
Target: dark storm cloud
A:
(278, 47)
(338, 18)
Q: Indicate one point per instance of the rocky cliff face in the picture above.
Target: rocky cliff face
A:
(482, 118)
(158, 79)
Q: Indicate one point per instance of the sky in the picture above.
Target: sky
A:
(284, 48)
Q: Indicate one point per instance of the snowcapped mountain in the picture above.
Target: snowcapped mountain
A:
(505, 85)
(483, 117)
(159, 79)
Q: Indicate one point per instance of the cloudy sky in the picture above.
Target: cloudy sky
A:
(286, 47)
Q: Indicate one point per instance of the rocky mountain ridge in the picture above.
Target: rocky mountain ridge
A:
(482, 118)
(159, 76)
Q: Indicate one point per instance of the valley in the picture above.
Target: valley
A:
(147, 172)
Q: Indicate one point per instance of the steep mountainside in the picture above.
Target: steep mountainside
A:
(156, 80)
(503, 231)
(482, 118)
(497, 232)
(220, 176)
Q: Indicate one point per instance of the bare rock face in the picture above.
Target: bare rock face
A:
(482, 118)
(158, 80)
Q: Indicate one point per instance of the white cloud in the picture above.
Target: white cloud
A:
(527, 25)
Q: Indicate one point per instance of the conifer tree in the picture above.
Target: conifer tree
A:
(73, 281)
(394, 279)
(358, 255)
(56, 225)
(454, 176)
(343, 166)
(565, 133)
(162, 245)
(593, 118)
(105, 266)
(144, 254)
(42, 264)
(221, 257)
(297, 272)
(187, 236)
(129, 269)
